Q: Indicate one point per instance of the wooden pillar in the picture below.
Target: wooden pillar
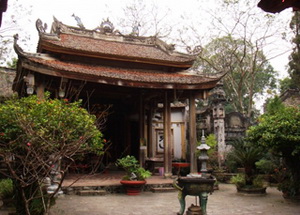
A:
(143, 146)
(40, 90)
(150, 133)
(192, 133)
(167, 138)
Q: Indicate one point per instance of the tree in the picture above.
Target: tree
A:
(35, 137)
(285, 84)
(294, 64)
(279, 132)
(248, 71)
(145, 19)
(242, 46)
(12, 24)
(13, 63)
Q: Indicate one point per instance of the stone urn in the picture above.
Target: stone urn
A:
(194, 186)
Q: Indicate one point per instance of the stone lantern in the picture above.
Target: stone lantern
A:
(203, 156)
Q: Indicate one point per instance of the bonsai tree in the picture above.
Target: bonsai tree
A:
(35, 136)
(245, 155)
(132, 169)
(279, 132)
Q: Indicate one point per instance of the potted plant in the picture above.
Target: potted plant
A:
(244, 154)
(135, 176)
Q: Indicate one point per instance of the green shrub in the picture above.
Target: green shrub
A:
(6, 189)
(238, 180)
(258, 181)
(132, 168)
(38, 134)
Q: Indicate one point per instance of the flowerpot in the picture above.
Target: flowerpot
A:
(253, 190)
(133, 188)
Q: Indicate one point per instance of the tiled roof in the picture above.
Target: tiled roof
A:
(120, 76)
(100, 43)
(116, 49)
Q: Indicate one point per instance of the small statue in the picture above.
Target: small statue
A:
(78, 20)
(136, 30)
(133, 177)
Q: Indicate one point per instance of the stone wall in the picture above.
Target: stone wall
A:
(291, 97)
(6, 81)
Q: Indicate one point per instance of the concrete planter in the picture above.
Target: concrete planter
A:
(250, 191)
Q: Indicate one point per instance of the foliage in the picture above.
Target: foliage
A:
(258, 181)
(35, 135)
(6, 188)
(248, 70)
(246, 155)
(285, 84)
(13, 63)
(241, 46)
(265, 166)
(132, 168)
(279, 132)
(11, 25)
(212, 152)
(294, 64)
(238, 180)
(289, 188)
(275, 104)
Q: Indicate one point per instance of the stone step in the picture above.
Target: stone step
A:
(91, 192)
(163, 189)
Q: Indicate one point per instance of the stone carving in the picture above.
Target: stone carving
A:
(78, 20)
(195, 51)
(135, 30)
(40, 27)
(106, 27)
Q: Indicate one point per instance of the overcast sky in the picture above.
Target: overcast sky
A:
(92, 12)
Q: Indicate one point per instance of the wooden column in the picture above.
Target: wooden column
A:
(167, 138)
(141, 131)
(192, 133)
(40, 90)
(150, 133)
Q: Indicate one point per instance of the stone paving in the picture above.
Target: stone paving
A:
(222, 202)
(113, 178)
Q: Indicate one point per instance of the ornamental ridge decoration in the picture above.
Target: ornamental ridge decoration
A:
(40, 27)
(106, 27)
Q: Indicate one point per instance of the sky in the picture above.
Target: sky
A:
(93, 12)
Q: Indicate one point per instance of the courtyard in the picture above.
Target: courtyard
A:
(224, 201)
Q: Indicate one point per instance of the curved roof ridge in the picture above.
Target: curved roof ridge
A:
(107, 34)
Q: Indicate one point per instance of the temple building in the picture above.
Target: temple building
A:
(141, 84)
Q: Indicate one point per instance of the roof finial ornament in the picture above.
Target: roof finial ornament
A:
(106, 27)
(40, 27)
(78, 20)
(135, 30)
(197, 50)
